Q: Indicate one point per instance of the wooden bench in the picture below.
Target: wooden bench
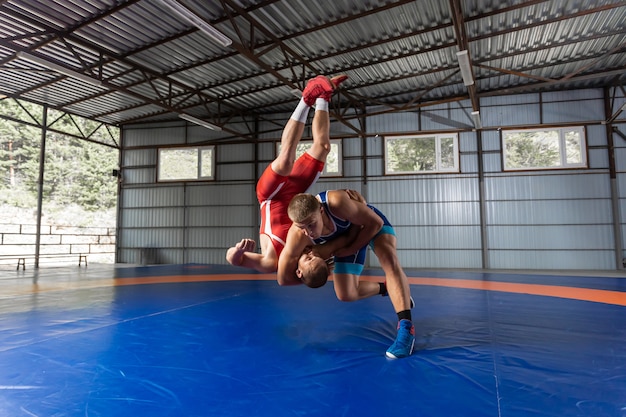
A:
(21, 259)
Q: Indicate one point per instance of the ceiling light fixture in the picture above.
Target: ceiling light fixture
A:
(476, 119)
(199, 122)
(197, 21)
(466, 69)
(58, 68)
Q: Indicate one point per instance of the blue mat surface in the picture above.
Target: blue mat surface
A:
(252, 348)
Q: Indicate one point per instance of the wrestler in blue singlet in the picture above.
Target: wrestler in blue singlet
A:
(352, 264)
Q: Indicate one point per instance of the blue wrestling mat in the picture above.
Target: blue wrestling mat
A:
(247, 347)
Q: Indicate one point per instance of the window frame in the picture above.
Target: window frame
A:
(562, 130)
(200, 158)
(438, 169)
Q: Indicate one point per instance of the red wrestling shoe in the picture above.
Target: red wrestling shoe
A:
(335, 81)
(319, 86)
(338, 79)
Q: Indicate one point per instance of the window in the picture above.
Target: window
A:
(554, 148)
(186, 164)
(332, 168)
(428, 153)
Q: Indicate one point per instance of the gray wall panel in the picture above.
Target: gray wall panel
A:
(216, 216)
(374, 146)
(400, 122)
(234, 172)
(469, 164)
(222, 195)
(152, 237)
(491, 141)
(375, 167)
(443, 238)
(153, 197)
(547, 260)
(173, 134)
(510, 101)
(236, 153)
(430, 189)
(492, 162)
(456, 259)
(214, 237)
(353, 168)
(154, 217)
(430, 213)
(547, 212)
(565, 237)
(620, 157)
(596, 136)
(540, 187)
(598, 158)
(521, 114)
(556, 219)
(139, 157)
(267, 151)
(139, 175)
(352, 147)
(468, 142)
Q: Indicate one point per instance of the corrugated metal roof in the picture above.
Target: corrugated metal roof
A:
(154, 65)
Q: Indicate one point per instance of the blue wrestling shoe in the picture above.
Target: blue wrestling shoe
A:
(405, 340)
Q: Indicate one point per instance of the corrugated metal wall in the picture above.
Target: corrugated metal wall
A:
(489, 219)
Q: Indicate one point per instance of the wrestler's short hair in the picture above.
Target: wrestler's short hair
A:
(316, 276)
(302, 206)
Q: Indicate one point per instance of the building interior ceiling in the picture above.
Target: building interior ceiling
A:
(230, 64)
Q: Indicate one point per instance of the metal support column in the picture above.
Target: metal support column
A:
(42, 163)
